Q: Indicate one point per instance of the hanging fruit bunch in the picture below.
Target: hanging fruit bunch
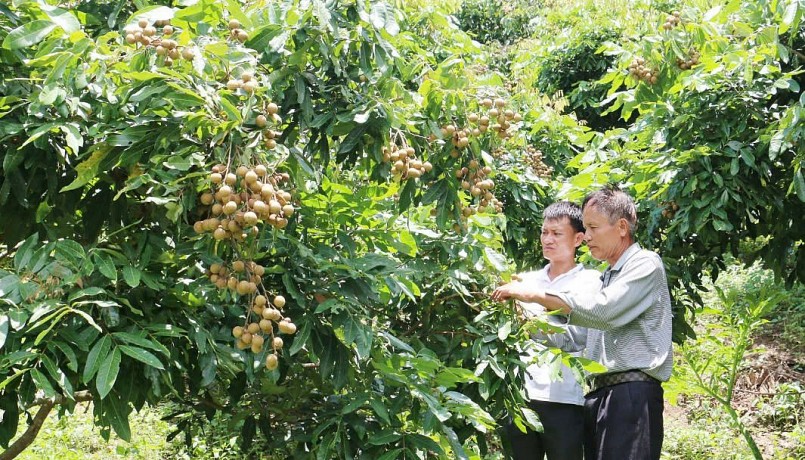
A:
(499, 116)
(402, 158)
(672, 20)
(640, 70)
(690, 61)
(262, 120)
(156, 37)
(236, 33)
(669, 209)
(534, 160)
(474, 179)
(239, 203)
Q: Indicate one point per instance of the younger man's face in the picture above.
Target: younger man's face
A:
(559, 240)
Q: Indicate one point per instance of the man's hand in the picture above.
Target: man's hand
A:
(515, 290)
(519, 290)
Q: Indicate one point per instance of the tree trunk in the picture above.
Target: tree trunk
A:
(28, 437)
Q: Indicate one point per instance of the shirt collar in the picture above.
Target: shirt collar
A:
(630, 251)
(544, 272)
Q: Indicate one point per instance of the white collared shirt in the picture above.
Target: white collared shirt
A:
(553, 381)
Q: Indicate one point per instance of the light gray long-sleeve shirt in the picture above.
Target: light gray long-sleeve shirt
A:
(629, 319)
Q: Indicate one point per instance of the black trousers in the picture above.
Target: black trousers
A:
(563, 437)
(624, 422)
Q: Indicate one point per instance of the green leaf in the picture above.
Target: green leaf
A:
(42, 211)
(4, 326)
(380, 410)
(789, 15)
(451, 376)
(424, 442)
(300, 339)
(504, 331)
(141, 341)
(144, 356)
(59, 376)
(384, 437)
(67, 351)
(28, 34)
(117, 415)
(496, 259)
(42, 383)
(397, 343)
(131, 275)
(391, 455)
(56, 321)
(776, 144)
(355, 404)
(63, 18)
(96, 355)
(26, 252)
(107, 373)
(799, 187)
(88, 169)
(105, 265)
(151, 13)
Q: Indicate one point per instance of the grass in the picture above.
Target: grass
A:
(74, 437)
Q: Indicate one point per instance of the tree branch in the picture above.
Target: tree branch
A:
(30, 434)
(79, 396)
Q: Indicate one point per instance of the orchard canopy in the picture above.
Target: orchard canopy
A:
(291, 213)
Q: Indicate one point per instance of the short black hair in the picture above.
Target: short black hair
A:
(560, 209)
(615, 203)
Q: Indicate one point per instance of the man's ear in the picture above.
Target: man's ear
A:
(578, 239)
(623, 227)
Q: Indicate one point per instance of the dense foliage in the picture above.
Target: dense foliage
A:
(497, 23)
(346, 182)
(132, 153)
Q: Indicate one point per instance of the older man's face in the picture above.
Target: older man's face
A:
(604, 239)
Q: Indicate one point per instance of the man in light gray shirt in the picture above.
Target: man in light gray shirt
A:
(632, 315)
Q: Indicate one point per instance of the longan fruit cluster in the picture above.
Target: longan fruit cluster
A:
(671, 21)
(669, 209)
(259, 328)
(498, 118)
(692, 60)
(148, 35)
(236, 32)
(534, 159)
(404, 163)
(242, 277)
(474, 179)
(246, 82)
(459, 137)
(640, 71)
(269, 135)
(239, 201)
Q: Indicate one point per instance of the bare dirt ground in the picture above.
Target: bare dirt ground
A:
(770, 362)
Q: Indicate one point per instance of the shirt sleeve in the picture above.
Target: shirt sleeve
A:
(627, 296)
(575, 337)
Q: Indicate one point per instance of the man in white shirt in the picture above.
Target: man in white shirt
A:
(556, 397)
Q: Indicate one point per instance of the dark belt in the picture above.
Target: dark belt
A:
(605, 380)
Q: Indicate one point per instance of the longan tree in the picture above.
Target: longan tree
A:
(284, 214)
